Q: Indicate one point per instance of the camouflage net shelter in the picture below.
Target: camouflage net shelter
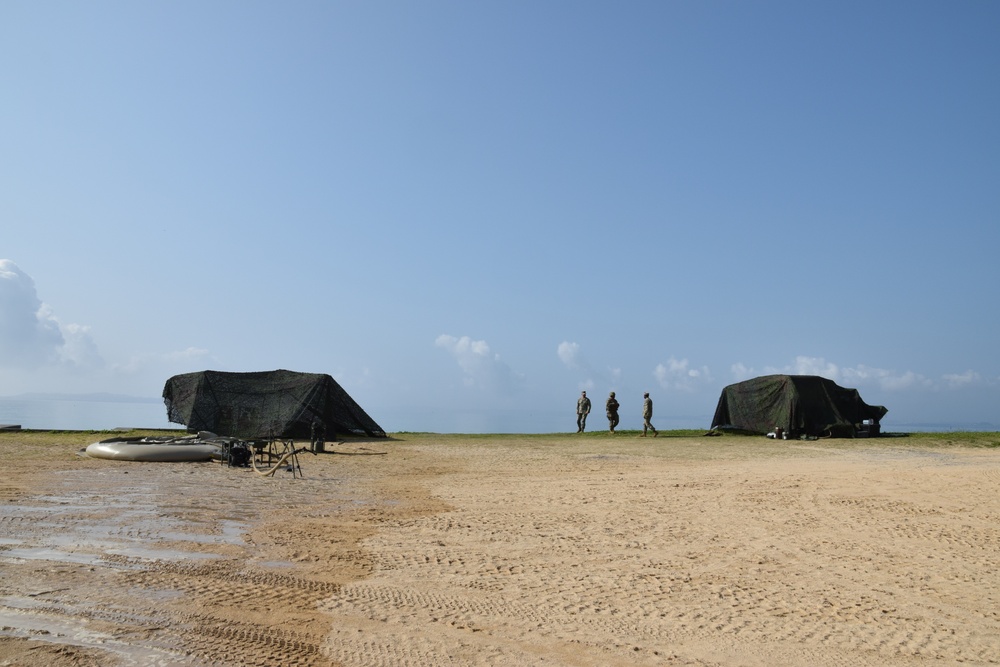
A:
(799, 404)
(265, 404)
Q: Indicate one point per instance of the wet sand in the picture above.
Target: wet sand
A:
(507, 550)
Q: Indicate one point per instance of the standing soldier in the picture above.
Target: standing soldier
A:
(317, 443)
(582, 410)
(612, 408)
(647, 414)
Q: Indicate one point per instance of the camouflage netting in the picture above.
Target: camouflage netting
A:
(799, 404)
(264, 404)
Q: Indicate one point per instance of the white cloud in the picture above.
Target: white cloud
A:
(815, 366)
(678, 374)
(958, 380)
(741, 372)
(31, 336)
(481, 367)
(801, 365)
(79, 348)
(569, 354)
(851, 376)
(40, 353)
(886, 380)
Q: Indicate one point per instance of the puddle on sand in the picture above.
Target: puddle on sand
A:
(134, 532)
(77, 547)
(13, 509)
(48, 553)
(161, 554)
(84, 558)
(18, 619)
(231, 532)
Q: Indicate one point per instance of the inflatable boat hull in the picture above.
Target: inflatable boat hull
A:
(126, 450)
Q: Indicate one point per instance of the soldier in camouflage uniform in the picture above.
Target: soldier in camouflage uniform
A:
(582, 410)
(647, 414)
(612, 407)
(318, 433)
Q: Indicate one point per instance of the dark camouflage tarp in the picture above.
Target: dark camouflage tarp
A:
(799, 404)
(266, 404)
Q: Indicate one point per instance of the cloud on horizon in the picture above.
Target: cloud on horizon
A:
(862, 375)
(481, 367)
(40, 353)
(571, 355)
(958, 380)
(31, 336)
(679, 375)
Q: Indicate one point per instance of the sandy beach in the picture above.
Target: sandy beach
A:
(507, 550)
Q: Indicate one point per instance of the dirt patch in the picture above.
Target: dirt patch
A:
(188, 563)
(465, 550)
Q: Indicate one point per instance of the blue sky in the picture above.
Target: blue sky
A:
(484, 207)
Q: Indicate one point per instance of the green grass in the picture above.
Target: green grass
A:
(686, 433)
(26, 445)
(678, 440)
(986, 439)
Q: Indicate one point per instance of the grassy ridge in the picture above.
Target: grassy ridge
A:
(959, 438)
(685, 444)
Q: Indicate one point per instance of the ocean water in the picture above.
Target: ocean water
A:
(88, 414)
(83, 415)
